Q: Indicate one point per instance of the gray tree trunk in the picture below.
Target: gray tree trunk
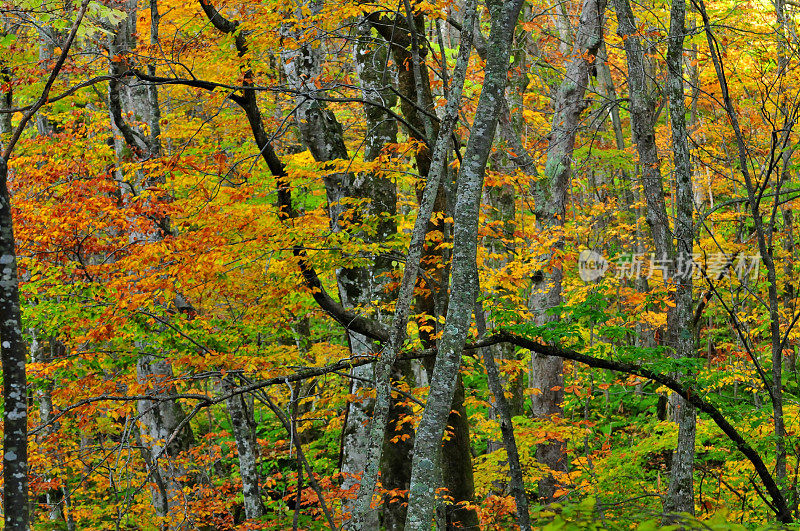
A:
(15, 419)
(642, 109)
(785, 30)
(547, 372)
(680, 496)
(605, 85)
(464, 288)
(456, 470)
(504, 413)
(244, 432)
(15, 391)
(322, 134)
(435, 169)
(160, 418)
(371, 54)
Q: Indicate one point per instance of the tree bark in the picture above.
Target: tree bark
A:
(680, 496)
(371, 56)
(463, 282)
(15, 386)
(244, 432)
(547, 373)
(437, 169)
(160, 417)
(322, 135)
(642, 110)
(359, 287)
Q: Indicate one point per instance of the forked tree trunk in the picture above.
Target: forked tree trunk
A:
(359, 287)
(464, 288)
(432, 164)
(371, 56)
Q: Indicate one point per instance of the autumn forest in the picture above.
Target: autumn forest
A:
(401, 265)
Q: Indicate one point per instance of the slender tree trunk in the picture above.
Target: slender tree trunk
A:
(764, 238)
(456, 470)
(371, 56)
(359, 287)
(160, 417)
(463, 282)
(789, 290)
(547, 373)
(15, 386)
(642, 109)
(504, 412)
(605, 85)
(784, 178)
(321, 134)
(680, 497)
(244, 432)
(434, 168)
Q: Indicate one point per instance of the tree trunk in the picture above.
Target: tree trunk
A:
(160, 417)
(433, 166)
(547, 373)
(504, 412)
(15, 386)
(680, 497)
(359, 287)
(12, 345)
(244, 432)
(642, 110)
(463, 282)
